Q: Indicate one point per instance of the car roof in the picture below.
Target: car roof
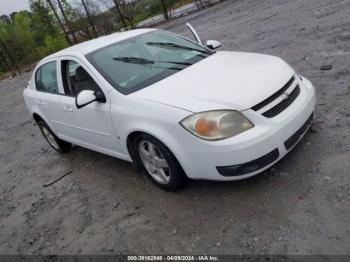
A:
(95, 44)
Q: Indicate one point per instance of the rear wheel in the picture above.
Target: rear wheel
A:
(58, 144)
(159, 163)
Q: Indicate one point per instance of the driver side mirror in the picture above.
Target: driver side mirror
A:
(87, 97)
(213, 44)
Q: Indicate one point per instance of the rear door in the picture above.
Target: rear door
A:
(47, 94)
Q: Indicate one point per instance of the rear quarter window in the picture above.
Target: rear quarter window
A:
(46, 78)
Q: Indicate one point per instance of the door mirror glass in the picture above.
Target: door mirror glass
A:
(85, 98)
(213, 44)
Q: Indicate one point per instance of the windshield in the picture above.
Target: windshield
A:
(138, 62)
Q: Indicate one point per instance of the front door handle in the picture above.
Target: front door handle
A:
(68, 109)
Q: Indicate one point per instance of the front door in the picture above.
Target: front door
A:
(90, 126)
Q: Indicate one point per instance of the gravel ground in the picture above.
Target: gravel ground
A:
(300, 206)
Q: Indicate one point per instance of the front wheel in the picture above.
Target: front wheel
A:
(159, 163)
(56, 143)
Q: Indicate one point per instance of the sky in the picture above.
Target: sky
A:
(9, 6)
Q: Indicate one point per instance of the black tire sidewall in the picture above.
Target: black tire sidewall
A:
(62, 145)
(177, 175)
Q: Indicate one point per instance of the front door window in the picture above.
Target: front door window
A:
(76, 79)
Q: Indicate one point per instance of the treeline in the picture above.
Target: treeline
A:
(51, 25)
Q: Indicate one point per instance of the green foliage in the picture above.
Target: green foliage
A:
(54, 43)
(28, 36)
(23, 36)
(42, 22)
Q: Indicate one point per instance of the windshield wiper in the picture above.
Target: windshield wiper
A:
(134, 60)
(173, 46)
(144, 61)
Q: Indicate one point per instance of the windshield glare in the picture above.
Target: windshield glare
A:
(123, 64)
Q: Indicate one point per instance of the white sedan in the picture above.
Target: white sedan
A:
(173, 107)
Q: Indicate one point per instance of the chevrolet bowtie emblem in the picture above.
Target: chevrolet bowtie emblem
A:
(285, 96)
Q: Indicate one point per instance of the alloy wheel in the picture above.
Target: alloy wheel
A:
(154, 162)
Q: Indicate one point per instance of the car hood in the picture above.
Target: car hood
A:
(225, 80)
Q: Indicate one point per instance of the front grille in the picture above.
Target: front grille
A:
(274, 111)
(283, 104)
(274, 96)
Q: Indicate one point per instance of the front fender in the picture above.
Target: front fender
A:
(136, 115)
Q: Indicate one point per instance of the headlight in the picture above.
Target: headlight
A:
(216, 125)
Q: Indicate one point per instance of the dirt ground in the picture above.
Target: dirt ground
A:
(300, 206)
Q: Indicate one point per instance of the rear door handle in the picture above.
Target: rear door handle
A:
(41, 103)
(68, 109)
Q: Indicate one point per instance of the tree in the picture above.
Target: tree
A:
(8, 53)
(119, 11)
(128, 10)
(6, 63)
(28, 36)
(81, 24)
(53, 43)
(23, 38)
(12, 16)
(6, 32)
(42, 22)
(5, 19)
(165, 9)
(124, 9)
(89, 17)
(67, 20)
(59, 21)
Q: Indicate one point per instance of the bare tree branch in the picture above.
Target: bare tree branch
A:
(59, 21)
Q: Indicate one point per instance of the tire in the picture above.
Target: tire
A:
(165, 171)
(58, 144)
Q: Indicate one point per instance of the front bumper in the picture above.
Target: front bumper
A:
(251, 152)
(269, 158)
